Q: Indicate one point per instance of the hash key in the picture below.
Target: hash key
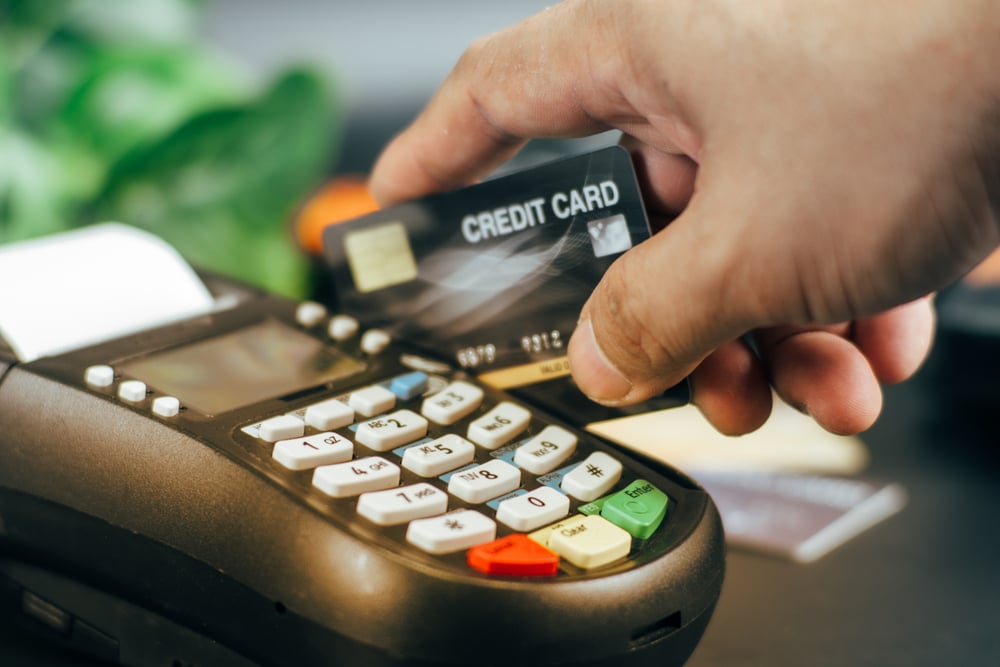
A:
(593, 478)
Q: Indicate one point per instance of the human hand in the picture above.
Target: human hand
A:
(825, 166)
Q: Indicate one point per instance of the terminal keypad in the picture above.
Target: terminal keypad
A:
(444, 466)
(461, 473)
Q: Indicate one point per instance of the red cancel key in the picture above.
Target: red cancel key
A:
(514, 556)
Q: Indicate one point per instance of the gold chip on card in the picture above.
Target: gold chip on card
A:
(380, 257)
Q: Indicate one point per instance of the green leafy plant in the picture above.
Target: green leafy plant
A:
(114, 110)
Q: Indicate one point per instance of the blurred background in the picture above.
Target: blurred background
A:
(210, 122)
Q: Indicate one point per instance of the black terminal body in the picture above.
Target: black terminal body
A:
(177, 540)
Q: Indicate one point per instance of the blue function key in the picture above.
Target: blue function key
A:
(409, 386)
(639, 508)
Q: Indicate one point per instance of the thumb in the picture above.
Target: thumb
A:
(659, 310)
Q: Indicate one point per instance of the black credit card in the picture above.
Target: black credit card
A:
(492, 275)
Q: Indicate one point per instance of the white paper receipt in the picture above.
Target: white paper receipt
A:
(69, 290)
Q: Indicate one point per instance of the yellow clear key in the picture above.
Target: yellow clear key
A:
(586, 541)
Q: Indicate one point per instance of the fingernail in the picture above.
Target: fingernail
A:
(594, 374)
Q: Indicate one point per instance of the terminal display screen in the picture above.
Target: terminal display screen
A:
(263, 361)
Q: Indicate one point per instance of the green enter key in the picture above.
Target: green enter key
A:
(638, 508)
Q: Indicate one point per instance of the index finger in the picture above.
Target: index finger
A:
(534, 79)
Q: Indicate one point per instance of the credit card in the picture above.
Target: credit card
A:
(492, 275)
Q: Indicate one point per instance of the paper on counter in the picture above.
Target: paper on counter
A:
(788, 442)
(799, 517)
(69, 290)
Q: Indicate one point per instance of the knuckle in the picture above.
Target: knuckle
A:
(479, 74)
(627, 335)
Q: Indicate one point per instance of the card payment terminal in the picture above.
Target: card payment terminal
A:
(268, 483)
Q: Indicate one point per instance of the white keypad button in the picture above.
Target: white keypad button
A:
(533, 510)
(309, 313)
(406, 503)
(499, 426)
(372, 400)
(438, 457)
(593, 478)
(486, 481)
(343, 480)
(392, 430)
(101, 375)
(313, 450)
(374, 341)
(342, 327)
(281, 427)
(166, 406)
(452, 403)
(329, 414)
(451, 532)
(546, 450)
(132, 391)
